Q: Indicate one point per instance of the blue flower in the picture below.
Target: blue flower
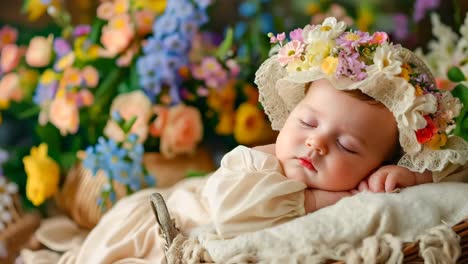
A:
(116, 116)
(247, 9)
(177, 43)
(164, 25)
(240, 29)
(266, 23)
(132, 138)
(91, 160)
(203, 3)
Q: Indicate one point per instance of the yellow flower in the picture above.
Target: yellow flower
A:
(43, 175)
(405, 71)
(223, 100)
(85, 51)
(65, 62)
(249, 124)
(226, 123)
(35, 8)
(48, 77)
(418, 90)
(157, 6)
(329, 65)
(437, 141)
(365, 19)
(312, 9)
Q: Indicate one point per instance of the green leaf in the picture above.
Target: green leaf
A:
(95, 34)
(127, 126)
(30, 112)
(67, 160)
(461, 91)
(50, 135)
(225, 46)
(195, 173)
(455, 75)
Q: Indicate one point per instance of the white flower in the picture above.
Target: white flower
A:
(385, 61)
(330, 29)
(414, 116)
(317, 51)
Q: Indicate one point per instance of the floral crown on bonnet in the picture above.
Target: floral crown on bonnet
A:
(388, 73)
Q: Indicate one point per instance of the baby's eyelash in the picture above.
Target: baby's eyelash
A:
(344, 148)
(306, 124)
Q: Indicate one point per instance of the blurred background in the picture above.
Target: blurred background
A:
(148, 92)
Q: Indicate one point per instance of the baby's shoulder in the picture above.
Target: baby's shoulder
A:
(255, 159)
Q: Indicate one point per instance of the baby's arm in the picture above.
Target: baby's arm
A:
(316, 199)
(389, 177)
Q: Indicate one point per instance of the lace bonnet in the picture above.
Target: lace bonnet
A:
(388, 73)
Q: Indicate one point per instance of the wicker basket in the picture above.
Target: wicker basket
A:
(411, 250)
(81, 190)
(18, 231)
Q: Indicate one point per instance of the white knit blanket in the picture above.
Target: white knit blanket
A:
(365, 228)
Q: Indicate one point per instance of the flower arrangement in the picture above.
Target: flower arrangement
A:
(173, 86)
(448, 61)
(359, 57)
(121, 161)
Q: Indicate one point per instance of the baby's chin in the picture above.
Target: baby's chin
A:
(296, 173)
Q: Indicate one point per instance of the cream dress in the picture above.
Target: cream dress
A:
(247, 193)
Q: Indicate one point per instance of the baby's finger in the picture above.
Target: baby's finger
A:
(390, 184)
(363, 186)
(377, 182)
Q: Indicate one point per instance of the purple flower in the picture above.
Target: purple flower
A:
(422, 6)
(61, 47)
(350, 66)
(45, 93)
(400, 21)
(351, 40)
(81, 30)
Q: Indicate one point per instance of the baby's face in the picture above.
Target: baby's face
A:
(331, 140)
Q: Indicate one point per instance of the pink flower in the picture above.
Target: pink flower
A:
(8, 35)
(115, 41)
(126, 58)
(233, 66)
(290, 51)
(296, 34)
(158, 125)
(280, 37)
(10, 58)
(379, 38)
(183, 131)
(144, 21)
(128, 105)
(444, 84)
(10, 88)
(39, 51)
(85, 97)
(64, 115)
(90, 76)
(105, 10)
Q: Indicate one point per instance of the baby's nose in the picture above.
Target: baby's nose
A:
(317, 144)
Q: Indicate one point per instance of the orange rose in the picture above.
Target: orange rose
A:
(10, 88)
(64, 115)
(11, 56)
(128, 105)
(183, 131)
(39, 51)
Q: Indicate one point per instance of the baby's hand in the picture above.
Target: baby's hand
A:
(389, 177)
